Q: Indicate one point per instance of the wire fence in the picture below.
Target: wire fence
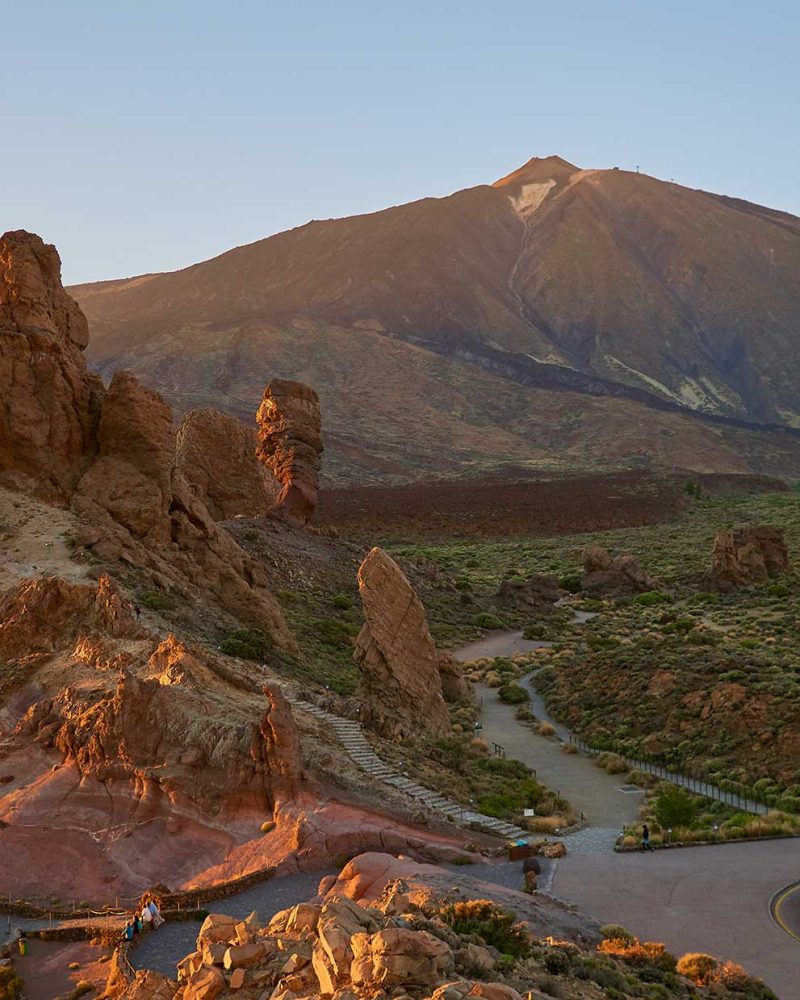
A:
(746, 798)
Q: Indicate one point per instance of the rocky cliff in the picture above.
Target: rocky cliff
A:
(400, 690)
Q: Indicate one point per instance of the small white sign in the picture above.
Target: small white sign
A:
(528, 812)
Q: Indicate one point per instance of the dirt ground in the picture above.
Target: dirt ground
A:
(46, 971)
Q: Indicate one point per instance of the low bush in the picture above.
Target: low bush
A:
(650, 598)
(246, 643)
(512, 694)
(488, 621)
(10, 984)
(154, 600)
(498, 927)
(697, 966)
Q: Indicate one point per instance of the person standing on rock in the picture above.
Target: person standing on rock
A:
(646, 845)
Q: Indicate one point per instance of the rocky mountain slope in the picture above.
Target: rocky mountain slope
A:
(589, 316)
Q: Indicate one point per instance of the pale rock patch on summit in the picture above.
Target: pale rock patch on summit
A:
(530, 198)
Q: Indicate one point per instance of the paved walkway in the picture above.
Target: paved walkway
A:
(587, 787)
(712, 899)
(161, 950)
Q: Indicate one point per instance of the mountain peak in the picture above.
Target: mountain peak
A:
(538, 170)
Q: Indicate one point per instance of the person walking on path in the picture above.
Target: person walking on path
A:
(646, 845)
(531, 870)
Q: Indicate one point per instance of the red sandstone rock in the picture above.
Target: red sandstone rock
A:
(400, 690)
(49, 401)
(281, 749)
(290, 445)
(748, 555)
(216, 454)
(607, 577)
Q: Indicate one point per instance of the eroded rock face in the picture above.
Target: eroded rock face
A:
(536, 590)
(38, 616)
(400, 690)
(748, 555)
(130, 481)
(216, 454)
(50, 403)
(607, 577)
(290, 445)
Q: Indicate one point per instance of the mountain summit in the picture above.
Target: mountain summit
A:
(552, 294)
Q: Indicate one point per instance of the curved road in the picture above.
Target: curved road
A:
(731, 900)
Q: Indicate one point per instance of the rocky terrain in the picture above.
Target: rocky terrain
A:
(390, 928)
(602, 316)
(160, 742)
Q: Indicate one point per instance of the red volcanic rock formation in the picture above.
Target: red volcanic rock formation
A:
(216, 454)
(290, 445)
(748, 555)
(49, 401)
(607, 577)
(165, 735)
(154, 518)
(39, 615)
(131, 479)
(400, 690)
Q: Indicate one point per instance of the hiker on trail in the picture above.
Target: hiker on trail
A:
(137, 611)
(531, 869)
(646, 845)
(147, 917)
(129, 932)
(155, 913)
(22, 944)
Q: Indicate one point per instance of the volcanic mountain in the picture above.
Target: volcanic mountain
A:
(557, 316)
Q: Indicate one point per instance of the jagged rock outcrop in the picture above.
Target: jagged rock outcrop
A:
(532, 591)
(131, 479)
(455, 686)
(112, 453)
(607, 577)
(748, 555)
(153, 518)
(400, 690)
(216, 454)
(39, 616)
(290, 445)
(50, 403)
(165, 734)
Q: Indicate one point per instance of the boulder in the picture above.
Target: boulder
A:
(607, 577)
(748, 555)
(400, 956)
(455, 686)
(205, 984)
(51, 403)
(400, 690)
(290, 446)
(534, 591)
(216, 454)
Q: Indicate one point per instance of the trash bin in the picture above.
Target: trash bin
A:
(519, 851)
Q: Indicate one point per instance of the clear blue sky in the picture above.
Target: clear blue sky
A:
(149, 134)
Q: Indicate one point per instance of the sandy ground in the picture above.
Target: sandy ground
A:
(46, 973)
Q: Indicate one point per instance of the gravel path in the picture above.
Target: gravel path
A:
(161, 950)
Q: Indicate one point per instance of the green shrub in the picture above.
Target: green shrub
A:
(650, 598)
(333, 632)
(512, 694)
(155, 600)
(498, 927)
(246, 643)
(343, 601)
(571, 582)
(674, 807)
(488, 621)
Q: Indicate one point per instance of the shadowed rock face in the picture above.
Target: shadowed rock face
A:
(604, 576)
(290, 445)
(216, 454)
(50, 403)
(112, 453)
(748, 555)
(400, 690)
